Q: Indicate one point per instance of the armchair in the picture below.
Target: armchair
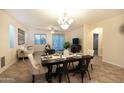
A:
(36, 68)
(48, 49)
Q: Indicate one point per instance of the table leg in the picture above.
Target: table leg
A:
(49, 74)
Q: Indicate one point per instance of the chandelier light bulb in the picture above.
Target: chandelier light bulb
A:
(65, 21)
(65, 26)
(58, 21)
(52, 32)
(71, 21)
(65, 18)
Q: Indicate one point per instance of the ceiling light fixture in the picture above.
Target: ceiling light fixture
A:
(64, 21)
(52, 32)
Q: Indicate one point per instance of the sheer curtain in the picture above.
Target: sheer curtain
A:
(58, 42)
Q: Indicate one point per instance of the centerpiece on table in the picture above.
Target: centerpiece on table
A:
(66, 49)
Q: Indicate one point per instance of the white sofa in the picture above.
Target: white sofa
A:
(23, 51)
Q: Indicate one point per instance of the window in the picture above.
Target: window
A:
(43, 38)
(11, 35)
(37, 39)
(58, 42)
(40, 38)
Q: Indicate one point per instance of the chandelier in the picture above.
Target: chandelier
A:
(64, 21)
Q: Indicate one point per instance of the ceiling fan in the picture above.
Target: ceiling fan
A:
(54, 29)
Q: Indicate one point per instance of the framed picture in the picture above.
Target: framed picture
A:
(21, 37)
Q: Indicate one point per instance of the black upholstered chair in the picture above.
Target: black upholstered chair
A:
(62, 72)
(82, 68)
(50, 51)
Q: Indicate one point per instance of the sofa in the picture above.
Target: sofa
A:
(23, 51)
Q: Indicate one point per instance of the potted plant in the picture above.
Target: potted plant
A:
(67, 45)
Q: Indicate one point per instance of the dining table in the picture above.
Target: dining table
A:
(57, 59)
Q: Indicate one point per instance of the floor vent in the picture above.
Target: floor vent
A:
(2, 60)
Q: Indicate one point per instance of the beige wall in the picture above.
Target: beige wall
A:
(5, 50)
(76, 33)
(39, 47)
(67, 36)
(86, 38)
(113, 40)
(85, 33)
(99, 31)
(112, 46)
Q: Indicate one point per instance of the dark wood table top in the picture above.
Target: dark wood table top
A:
(59, 60)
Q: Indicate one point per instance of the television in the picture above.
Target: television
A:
(75, 41)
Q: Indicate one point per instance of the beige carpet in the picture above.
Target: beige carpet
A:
(103, 73)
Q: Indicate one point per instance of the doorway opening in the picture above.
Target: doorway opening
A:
(95, 43)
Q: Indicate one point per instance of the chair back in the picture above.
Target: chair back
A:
(90, 52)
(63, 69)
(84, 64)
(66, 53)
(50, 51)
(34, 63)
(87, 62)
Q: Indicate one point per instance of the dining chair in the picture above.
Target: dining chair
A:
(82, 68)
(91, 53)
(36, 67)
(66, 53)
(63, 72)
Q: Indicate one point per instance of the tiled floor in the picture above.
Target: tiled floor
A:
(103, 73)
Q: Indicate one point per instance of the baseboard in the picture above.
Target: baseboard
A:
(4, 68)
(113, 63)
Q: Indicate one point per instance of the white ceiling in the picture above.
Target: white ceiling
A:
(43, 19)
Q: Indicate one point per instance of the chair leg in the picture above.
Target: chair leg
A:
(60, 78)
(68, 77)
(58, 66)
(82, 75)
(88, 74)
(91, 66)
(73, 65)
(69, 65)
(33, 78)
